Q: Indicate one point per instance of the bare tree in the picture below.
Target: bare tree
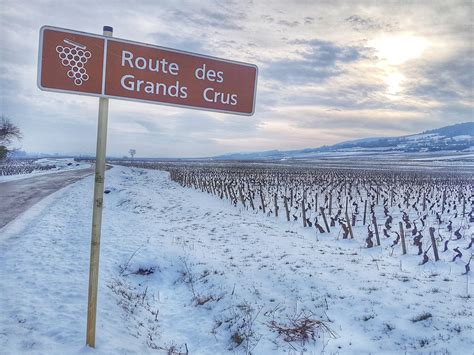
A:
(9, 132)
(132, 153)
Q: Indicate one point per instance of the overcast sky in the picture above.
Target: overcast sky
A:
(328, 71)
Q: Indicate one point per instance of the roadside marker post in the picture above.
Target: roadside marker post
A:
(106, 67)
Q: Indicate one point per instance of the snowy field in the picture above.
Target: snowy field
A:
(21, 169)
(182, 270)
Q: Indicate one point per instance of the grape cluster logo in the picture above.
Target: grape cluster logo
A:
(74, 56)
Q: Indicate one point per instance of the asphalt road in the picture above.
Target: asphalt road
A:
(17, 196)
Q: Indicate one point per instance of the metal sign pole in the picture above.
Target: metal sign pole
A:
(97, 213)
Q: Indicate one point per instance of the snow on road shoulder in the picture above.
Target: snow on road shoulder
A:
(182, 270)
(44, 271)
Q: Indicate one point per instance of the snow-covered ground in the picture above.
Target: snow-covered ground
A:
(60, 164)
(181, 270)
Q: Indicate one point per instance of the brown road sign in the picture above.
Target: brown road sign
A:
(89, 64)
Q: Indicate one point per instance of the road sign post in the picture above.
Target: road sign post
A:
(97, 214)
(105, 67)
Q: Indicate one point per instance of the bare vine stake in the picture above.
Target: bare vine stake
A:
(285, 202)
(424, 201)
(251, 201)
(347, 202)
(224, 188)
(231, 193)
(376, 229)
(316, 203)
(330, 203)
(261, 198)
(276, 204)
(444, 201)
(325, 220)
(241, 196)
(402, 236)
(365, 211)
(303, 211)
(433, 243)
(349, 225)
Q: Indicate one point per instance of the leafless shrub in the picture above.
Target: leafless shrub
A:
(191, 278)
(201, 300)
(421, 317)
(130, 298)
(137, 306)
(174, 349)
(239, 320)
(302, 328)
(125, 266)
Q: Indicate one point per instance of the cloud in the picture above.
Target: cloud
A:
(210, 18)
(186, 43)
(359, 23)
(288, 23)
(267, 18)
(319, 60)
(446, 81)
(320, 81)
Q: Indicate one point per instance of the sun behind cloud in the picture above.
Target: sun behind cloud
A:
(392, 52)
(396, 50)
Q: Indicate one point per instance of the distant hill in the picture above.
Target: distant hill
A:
(458, 137)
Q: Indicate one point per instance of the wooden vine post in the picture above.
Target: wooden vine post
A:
(402, 236)
(275, 198)
(251, 201)
(365, 212)
(242, 196)
(324, 219)
(330, 203)
(285, 203)
(262, 199)
(376, 229)
(349, 225)
(433, 243)
(303, 212)
(444, 201)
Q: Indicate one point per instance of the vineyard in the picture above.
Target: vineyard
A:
(24, 166)
(422, 213)
(12, 168)
(265, 258)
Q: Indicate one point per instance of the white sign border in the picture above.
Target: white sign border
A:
(106, 39)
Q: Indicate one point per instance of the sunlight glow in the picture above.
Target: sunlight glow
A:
(393, 82)
(397, 50)
(393, 51)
